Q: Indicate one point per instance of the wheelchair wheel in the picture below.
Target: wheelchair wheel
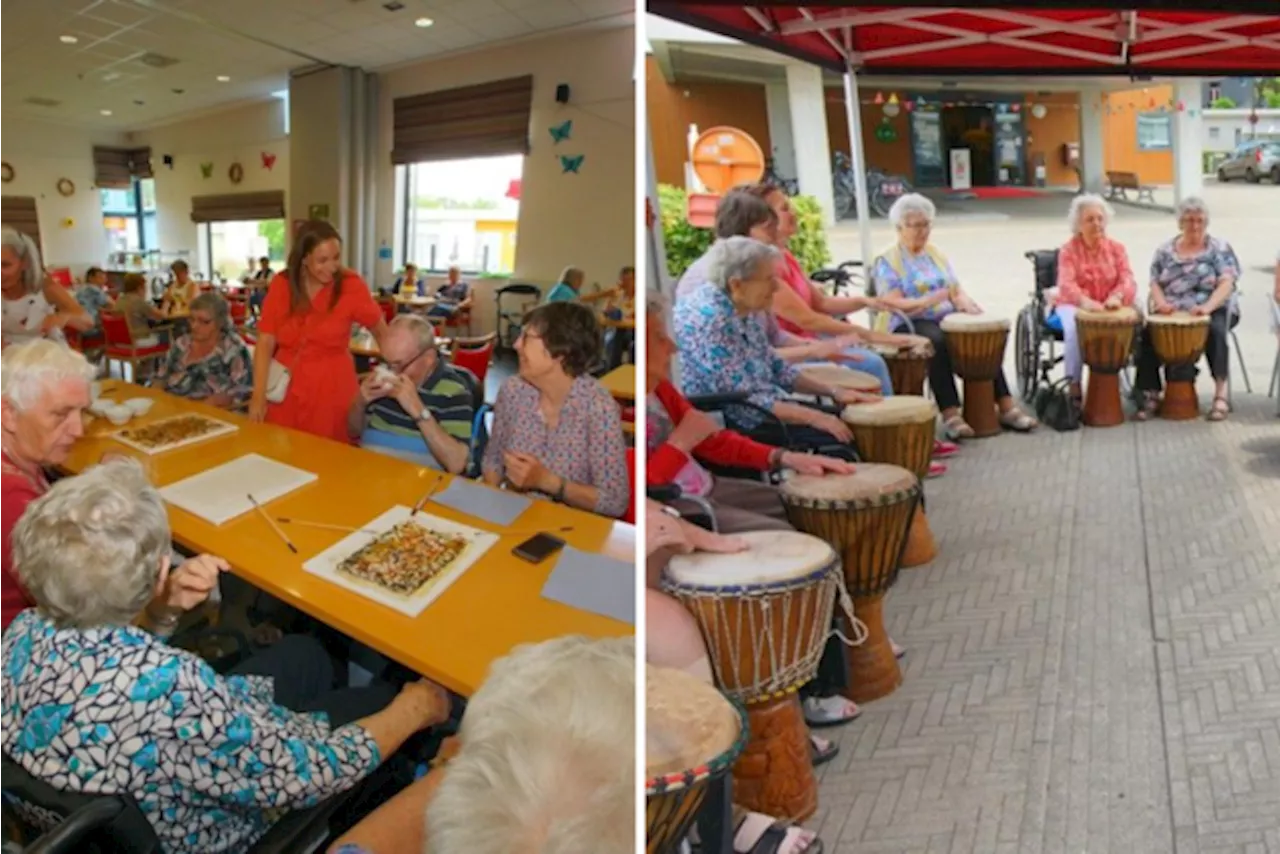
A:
(1027, 348)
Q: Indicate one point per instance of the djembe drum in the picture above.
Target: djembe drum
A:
(907, 368)
(865, 516)
(976, 343)
(692, 736)
(841, 377)
(1179, 340)
(900, 430)
(765, 615)
(1106, 340)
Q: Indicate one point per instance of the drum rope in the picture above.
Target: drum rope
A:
(858, 628)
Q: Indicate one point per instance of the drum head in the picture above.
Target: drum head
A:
(1123, 316)
(910, 353)
(688, 723)
(960, 322)
(899, 409)
(773, 557)
(870, 482)
(1178, 318)
(841, 377)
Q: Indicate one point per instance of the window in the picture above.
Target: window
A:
(129, 216)
(1215, 132)
(235, 247)
(459, 213)
(1155, 132)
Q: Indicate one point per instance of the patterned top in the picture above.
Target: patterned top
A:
(454, 293)
(691, 477)
(921, 276)
(562, 292)
(93, 299)
(448, 394)
(22, 318)
(1095, 274)
(723, 352)
(227, 370)
(586, 445)
(1189, 282)
(211, 761)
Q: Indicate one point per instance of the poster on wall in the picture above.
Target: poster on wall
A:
(926, 148)
(1009, 148)
(961, 174)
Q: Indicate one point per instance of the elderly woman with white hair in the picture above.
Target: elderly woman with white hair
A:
(1093, 275)
(915, 278)
(34, 305)
(95, 704)
(210, 363)
(725, 348)
(567, 287)
(544, 761)
(1196, 273)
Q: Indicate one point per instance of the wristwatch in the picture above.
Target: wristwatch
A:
(425, 416)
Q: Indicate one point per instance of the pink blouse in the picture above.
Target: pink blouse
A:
(793, 276)
(1096, 274)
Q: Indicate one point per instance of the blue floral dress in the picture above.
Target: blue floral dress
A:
(1189, 282)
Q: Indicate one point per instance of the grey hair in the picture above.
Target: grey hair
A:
(912, 203)
(28, 253)
(212, 302)
(737, 258)
(89, 550)
(547, 762)
(1192, 204)
(27, 370)
(421, 329)
(1085, 200)
(574, 272)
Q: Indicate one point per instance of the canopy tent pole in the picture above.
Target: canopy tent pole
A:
(853, 114)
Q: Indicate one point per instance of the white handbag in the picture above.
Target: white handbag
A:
(277, 382)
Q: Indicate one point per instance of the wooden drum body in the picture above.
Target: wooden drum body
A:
(899, 431)
(1106, 341)
(907, 368)
(765, 615)
(841, 377)
(1179, 340)
(693, 735)
(865, 516)
(976, 343)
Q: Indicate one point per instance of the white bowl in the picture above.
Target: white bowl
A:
(101, 406)
(95, 390)
(139, 405)
(119, 414)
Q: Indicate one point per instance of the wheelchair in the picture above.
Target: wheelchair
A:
(1037, 336)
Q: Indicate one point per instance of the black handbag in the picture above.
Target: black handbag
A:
(1056, 407)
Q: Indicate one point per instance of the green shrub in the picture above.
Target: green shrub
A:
(1223, 103)
(684, 244)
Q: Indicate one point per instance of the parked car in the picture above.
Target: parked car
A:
(1252, 161)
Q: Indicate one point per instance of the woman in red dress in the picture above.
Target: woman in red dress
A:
(306, 326)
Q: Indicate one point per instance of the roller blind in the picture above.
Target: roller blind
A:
(235, 207)
(19, 213)
(117, 167)
(470, 121)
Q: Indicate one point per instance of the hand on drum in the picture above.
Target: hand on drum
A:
(1200, 311)
(671, 532)
(831, 424)
(815, 464)
(837, 348)
(1113, 302)
(849, 396)
(694, 428)
(965, 305)
(1160, 305)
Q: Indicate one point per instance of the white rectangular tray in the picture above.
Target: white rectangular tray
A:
(223, 429)
(222, 493)
(326, 563)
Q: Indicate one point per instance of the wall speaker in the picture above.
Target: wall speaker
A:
(562, 93)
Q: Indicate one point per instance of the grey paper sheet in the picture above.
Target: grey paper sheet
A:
(595, 583)
(494, 506)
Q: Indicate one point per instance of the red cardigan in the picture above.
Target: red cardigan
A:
(725, 448)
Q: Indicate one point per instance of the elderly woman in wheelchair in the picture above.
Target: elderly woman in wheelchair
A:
(1195, 273)
(915, 280)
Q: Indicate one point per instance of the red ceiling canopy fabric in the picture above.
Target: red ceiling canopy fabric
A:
(990, 38)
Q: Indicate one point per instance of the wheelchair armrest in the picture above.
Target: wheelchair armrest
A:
(719, 401)
(824, 276)
(302, 830)
(664, 494)
(73, 832)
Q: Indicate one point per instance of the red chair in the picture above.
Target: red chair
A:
(475, 354)
(239, 313)
(88, 343)
(460, 319)
(389, 309)
(120, 346)
(61, 275)
(630, 515)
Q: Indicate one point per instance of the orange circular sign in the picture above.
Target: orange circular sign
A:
(725, 157)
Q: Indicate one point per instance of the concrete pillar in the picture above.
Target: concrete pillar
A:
(809, 133)
(1092, 141)
(778, 106)
(1188, 168)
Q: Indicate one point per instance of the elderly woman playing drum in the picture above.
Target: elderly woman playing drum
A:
(1195, 273)
(1093, 275)
(916, 279)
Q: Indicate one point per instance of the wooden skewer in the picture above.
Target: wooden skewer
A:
(326, 526)
(426, 496)
(272, 522)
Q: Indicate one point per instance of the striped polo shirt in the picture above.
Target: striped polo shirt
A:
(447, 394)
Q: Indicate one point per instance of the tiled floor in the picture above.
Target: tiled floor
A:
(1094, 657)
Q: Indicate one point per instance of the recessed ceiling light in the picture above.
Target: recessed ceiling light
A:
(222, 78)
(105, 112)
(68, 39)
(423, 22)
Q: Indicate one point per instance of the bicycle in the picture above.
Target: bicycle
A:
(883, 189)
(789, 186)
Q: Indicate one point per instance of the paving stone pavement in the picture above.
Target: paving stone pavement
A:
(1093, 659)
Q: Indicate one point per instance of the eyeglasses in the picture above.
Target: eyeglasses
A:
(403, 365)
(917, 226)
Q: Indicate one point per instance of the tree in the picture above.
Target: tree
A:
(273, 230)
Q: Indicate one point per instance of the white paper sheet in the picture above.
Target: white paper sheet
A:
(222, 493)
(326, 563)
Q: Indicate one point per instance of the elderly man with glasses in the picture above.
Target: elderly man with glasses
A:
(417, 406)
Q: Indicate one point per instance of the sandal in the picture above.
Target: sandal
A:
(756, 833)
(957, 428)
(821, 751)
(822, 712)
(942, 450)
(1018, 421)
(1219, 410)
(936, 469)
(1147, 407)
(898, 651)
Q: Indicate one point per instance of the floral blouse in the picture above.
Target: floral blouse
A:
(211, 760)
(722, 352)
(921, 276)
(23, 316)
(93, 299)
(586, 445)
(227, 370)
(1189, 282)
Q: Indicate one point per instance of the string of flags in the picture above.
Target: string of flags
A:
(893, 105)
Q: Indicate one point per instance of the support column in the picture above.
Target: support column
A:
(857, 160)
(1092, 142)
(809, 133)
(778, 107)
(1188, 139)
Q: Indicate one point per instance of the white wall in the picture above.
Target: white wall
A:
(1233, 128)
(43, 154)
(238, 135)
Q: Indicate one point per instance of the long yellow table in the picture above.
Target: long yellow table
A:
(495, 605)
(621, 382)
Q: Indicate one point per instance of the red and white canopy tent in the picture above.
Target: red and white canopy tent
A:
(1138, 39)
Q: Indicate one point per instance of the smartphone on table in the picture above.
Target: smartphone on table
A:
(538, 548)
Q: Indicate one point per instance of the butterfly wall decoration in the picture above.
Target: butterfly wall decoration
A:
(562, 131)
(571, 163)
(206, 170)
